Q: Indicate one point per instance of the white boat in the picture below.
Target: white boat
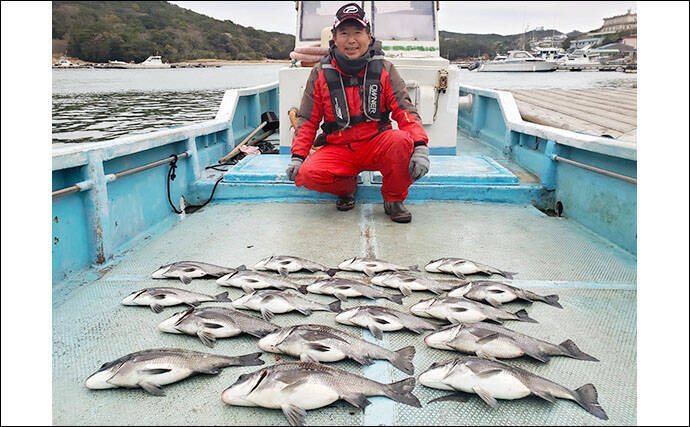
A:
(65, 63)
(152, 62)
(518, 60)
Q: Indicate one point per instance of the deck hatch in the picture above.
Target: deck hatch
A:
(262, 169)
(462, 170)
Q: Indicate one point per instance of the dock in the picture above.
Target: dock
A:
(601, 112)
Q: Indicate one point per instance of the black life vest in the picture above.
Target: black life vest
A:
(370, 94)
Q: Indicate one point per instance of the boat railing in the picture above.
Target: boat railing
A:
(591, 175)
(95, 184)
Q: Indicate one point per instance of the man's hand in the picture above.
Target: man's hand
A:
(419, 162)
(293, 168)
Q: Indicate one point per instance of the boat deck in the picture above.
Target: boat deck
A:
(596, 282)
(611, 112)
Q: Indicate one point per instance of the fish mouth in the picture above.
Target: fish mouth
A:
(168, 325)
(228, 397)
(160, 273)
(99, 381)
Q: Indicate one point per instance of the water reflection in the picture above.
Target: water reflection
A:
(89, 117)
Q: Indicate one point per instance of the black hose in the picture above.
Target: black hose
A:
(171, 177)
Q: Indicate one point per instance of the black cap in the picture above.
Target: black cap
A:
(350, 11)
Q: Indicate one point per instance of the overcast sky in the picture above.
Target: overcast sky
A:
(461, 17)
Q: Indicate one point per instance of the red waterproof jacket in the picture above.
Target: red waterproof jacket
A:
(316, 105)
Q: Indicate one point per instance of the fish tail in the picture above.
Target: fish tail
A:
(402, 359)
(331, 271)
(302, 289)
(587, 397)
(522, 315)
(335, 306)
(571, 350)
(223, 297)
(401, 391)
(414, 267)
(552, 300)
(251, 359)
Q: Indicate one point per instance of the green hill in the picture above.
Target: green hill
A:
(134, 30)
(458, 45)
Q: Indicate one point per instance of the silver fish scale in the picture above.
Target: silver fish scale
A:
(343, 381)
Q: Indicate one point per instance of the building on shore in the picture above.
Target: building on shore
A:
(630, 41)
(616, 24)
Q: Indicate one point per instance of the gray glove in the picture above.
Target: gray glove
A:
(419, 162)
(293, 168)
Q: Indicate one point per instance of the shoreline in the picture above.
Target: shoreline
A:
(203, 61)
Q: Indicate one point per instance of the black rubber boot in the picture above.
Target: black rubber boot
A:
(345, 203)
(397, 211)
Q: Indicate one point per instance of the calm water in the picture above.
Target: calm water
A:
(95, 105)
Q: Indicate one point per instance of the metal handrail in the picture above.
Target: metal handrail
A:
(595, 169)
(87, 185)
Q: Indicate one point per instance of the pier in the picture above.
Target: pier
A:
(601, 112)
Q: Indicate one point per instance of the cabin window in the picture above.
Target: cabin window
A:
(404, 20)
(520, 55)
(315, 15)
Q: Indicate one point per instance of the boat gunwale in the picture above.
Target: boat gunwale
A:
(515, 123)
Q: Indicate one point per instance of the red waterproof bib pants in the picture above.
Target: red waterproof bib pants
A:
(334, 168)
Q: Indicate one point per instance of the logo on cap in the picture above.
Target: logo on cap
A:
(351, 9)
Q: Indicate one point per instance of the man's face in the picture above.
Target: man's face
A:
(352, 39)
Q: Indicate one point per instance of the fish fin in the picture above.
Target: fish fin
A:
(484, 355)
(194, 303)
(251, 359)
(267, 314)
(459, 275)
(375, 331)
(294, 414)
(357, 399)
(414, 267)
(335, 306)
(493, 302)
(480, 368)
(293, 386)
(487, 338)
(398, 299)
(186, 279)
(418, 330)
(211, 325)
(241, 267)
(587, 397)
(151, 388)
(401, 391)
(507, 274)
(362, 360)
(544, 395)
(522, 315)
(247, 289)
(304, 311)
(405, 290)
(157, 308)
(571, 350)
(403, 359)
(552, 300)
(154, 371)
(458, 396)
(306, 357)
(206, 338)
(223, 297)
(369, 272)
(341, 296)
(331, 272)
(537, 355)
(318, 347)
(302, 289)
(283, 273)
(208, 371)
(486, 397)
